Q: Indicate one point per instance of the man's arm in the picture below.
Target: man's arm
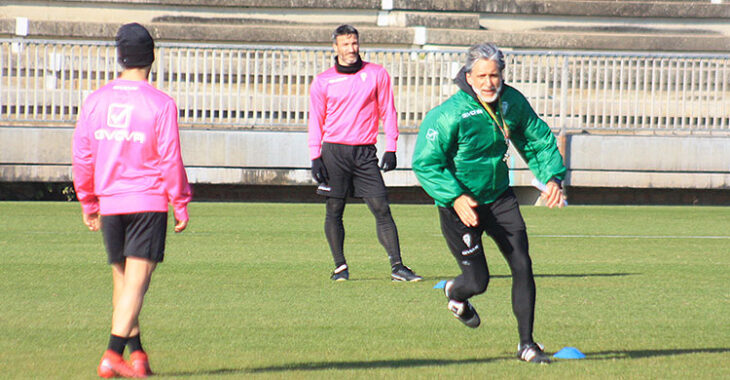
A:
(436, 138)
(317, 114)
(175, 179)
(536, 143)
(538, 146)
(387, 111)
(82, 165)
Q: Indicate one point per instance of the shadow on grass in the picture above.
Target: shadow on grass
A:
(557, 275)
(547, 275)
(568, 275)
(405, 363)
(320, 366)
(639, 354)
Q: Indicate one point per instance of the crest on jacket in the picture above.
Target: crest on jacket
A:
(431, 134)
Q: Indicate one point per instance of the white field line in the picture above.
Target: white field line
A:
(624, 236)
(631, 236)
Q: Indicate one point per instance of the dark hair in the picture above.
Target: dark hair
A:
(344, 30)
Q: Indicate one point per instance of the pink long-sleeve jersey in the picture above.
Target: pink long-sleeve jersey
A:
(126, 152)
(346, 108)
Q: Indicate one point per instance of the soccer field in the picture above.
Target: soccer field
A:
(644, 292)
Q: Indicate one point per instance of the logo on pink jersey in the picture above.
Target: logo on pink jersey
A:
(119, 116)
(119, 135)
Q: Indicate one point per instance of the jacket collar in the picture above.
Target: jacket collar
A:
(352, 69)
(460, 81)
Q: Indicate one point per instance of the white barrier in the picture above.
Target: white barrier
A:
(43, 82)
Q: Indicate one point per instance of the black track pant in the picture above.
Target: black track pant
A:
(503, 222)
(384, 226)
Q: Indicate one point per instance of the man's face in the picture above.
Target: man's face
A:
(347, 48)
(486, 79)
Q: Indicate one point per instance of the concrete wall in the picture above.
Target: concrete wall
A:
(649, 161)
(31, 154)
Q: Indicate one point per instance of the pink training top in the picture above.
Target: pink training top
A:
(346, 108)
(126, 152)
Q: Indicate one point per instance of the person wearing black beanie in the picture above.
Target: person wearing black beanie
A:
(135, 46)
(127, 170)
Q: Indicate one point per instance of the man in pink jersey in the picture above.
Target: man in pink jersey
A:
(347, 103)
(127, 168)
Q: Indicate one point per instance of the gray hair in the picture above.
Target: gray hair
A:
(487, 51)
(344, 30)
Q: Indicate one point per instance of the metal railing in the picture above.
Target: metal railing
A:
(240, 86)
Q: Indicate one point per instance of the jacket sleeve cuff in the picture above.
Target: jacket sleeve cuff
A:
(314, 152)
(90, 208)
(181, 214)
(391, 145)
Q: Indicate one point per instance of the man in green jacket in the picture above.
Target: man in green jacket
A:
(460, 160)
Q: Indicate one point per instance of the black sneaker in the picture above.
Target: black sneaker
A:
(464, 311)
(533, 353)
(403, 273)
(340, 273)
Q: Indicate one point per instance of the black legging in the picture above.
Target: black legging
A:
(384, 225)
(503, 222)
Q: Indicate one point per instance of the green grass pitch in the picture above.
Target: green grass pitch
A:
(644, 292)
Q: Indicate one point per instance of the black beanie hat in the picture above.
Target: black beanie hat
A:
(135, 46)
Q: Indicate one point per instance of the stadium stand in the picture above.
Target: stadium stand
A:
(629, 69)
(625, 25)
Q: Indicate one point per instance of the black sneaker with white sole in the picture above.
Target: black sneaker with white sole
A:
(464, 311)
(533, 353)
(340, 273)
(404, 274)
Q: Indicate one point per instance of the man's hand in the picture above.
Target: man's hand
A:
(92, 221)
(553, 195)
(388, 162)
(464, 207)
(319, 172)
(180, 225)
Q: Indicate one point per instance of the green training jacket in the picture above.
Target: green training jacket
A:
(460, 150)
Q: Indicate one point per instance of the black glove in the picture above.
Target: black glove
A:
(389, 162)
(319, 172)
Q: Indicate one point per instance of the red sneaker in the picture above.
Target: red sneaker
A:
(112, 365)
(140, 364)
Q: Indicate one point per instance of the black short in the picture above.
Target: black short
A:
(139, 235)
(353, 171)
(501, 220)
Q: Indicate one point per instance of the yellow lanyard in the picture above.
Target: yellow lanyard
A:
(501, 126)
